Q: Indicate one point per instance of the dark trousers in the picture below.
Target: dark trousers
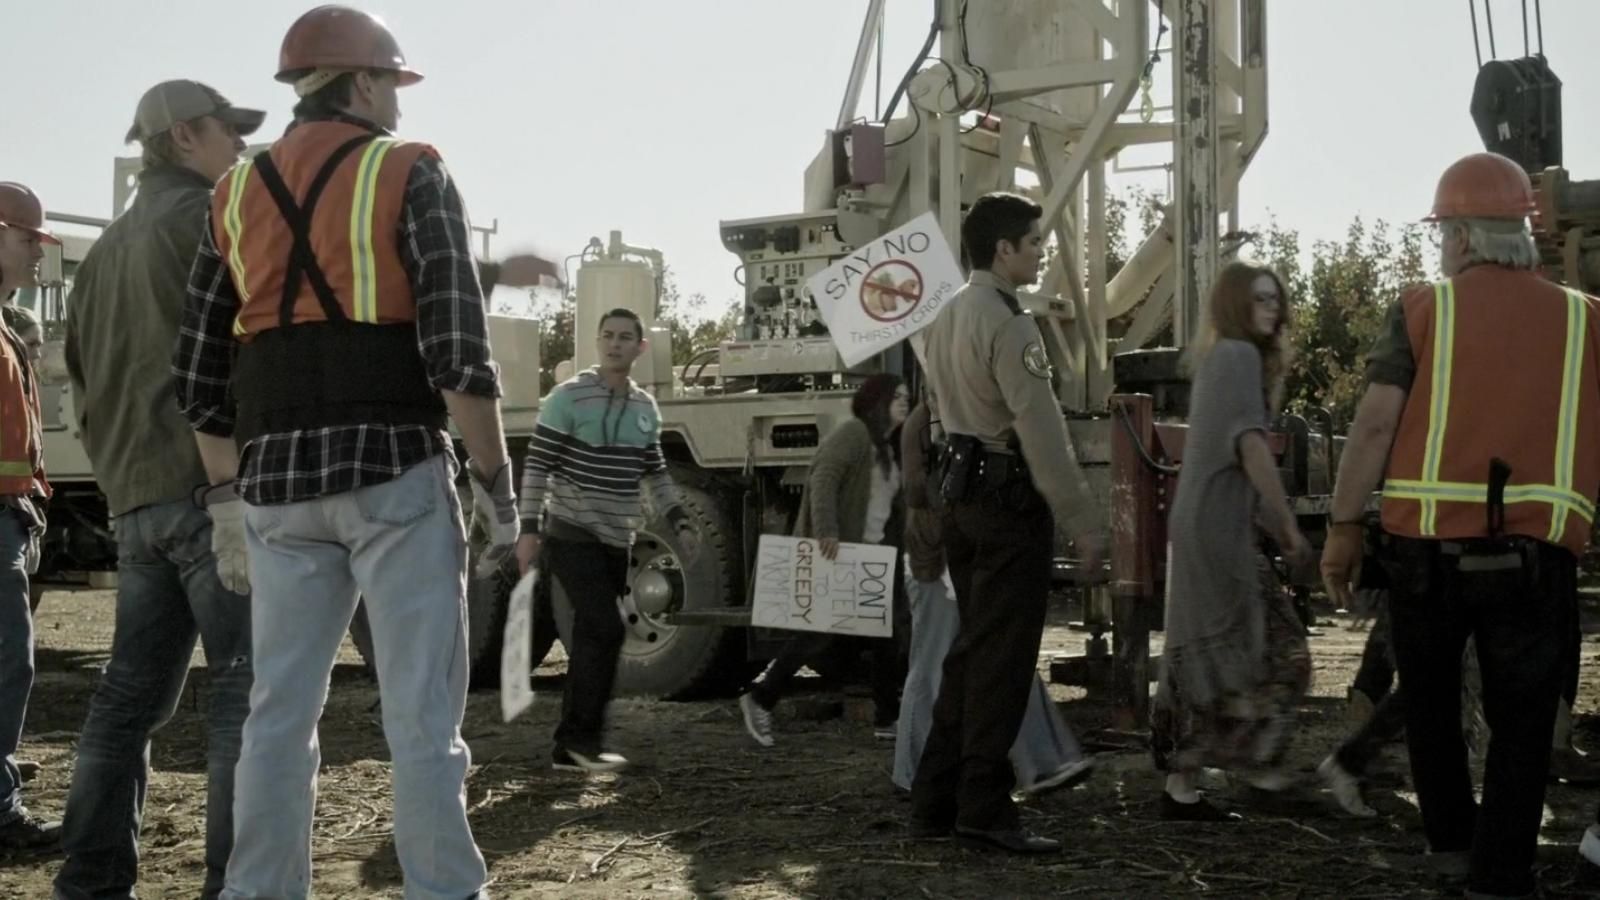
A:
(888, 670)
(168, 596)
(593, 576)
(999, 550)
(1519, 618)
(1376, 674)
(1386, 721)
(888, 658)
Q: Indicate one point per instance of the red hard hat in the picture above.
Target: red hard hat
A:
(20, 208)
(338, 37)
(1482, 186)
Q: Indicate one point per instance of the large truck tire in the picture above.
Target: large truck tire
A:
(675, 661)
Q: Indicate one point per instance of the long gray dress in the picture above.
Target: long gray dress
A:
(1235, 661)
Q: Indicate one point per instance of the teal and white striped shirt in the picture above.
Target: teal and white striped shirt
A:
(592, 450)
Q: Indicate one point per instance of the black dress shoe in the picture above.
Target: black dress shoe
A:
(1011, 840)
(1199, 811)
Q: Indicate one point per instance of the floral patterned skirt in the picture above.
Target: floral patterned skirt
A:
(1242, 730)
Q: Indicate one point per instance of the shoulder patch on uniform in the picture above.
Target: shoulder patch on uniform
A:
(645, 422)
(1035, 360)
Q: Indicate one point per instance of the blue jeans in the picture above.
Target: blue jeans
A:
(1044, 742)
(167, 596)
(400, 546)
(16, 655)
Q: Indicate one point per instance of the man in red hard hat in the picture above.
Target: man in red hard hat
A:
(335, 326)
(23, 490)
(1480, 419)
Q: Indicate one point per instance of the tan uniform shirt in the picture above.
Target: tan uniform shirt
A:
(989, 377)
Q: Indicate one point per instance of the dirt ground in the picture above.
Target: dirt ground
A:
(705, 812)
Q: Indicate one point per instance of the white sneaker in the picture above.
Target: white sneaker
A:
(1346, 788)
(757, 721)
(1590, 847)
(564, 760)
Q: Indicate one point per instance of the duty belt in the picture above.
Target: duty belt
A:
(1489, 555)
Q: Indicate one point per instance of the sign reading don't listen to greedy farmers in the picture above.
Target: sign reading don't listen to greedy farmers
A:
(887, 289)
(797, 588)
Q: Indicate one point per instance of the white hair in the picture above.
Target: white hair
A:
(1501, 242)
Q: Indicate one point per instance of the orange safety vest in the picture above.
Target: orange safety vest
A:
(21, 425)
(326, 324)
(1508, 368)
(354, 220)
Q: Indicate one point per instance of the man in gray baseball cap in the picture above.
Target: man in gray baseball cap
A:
(122, 322)
(181, 100)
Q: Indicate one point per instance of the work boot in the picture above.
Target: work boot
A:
(26, 832)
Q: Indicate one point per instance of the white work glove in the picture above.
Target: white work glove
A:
(31, 555)
(494, 509)
(32, 509)
(226, 510)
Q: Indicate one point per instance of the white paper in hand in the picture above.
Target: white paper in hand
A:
(516, 671)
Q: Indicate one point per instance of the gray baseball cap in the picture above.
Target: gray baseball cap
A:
(171, 102)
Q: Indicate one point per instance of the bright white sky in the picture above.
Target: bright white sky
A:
(568, 118)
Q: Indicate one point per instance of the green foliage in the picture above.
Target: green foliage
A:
(694, 322)
(1340, 292)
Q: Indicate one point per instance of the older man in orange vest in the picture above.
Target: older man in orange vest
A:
(1483, 430)
(23, 490)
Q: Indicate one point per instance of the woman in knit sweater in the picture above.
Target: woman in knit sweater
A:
(851, 496)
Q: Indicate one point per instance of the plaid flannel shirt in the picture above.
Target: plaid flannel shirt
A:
(452, 336)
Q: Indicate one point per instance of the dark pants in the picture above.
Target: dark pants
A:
(1376, 675)
(167, 596)
(999, 550)
(1386, 721)
(888, 658)
(1519, 618)
(16, 654)
(593, 576)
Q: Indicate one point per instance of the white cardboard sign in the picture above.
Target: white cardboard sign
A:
(797, 589)
(516, 670)
(887, 289)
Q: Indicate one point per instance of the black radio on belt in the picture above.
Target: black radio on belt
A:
(969, 470)
(960, 468)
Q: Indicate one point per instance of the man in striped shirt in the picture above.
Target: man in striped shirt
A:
(597, 442)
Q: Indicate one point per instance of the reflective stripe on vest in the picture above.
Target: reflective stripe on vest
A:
(363, 263)
(1444, 339)
(233, 224)
(1429, 490)
(1567, 421)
